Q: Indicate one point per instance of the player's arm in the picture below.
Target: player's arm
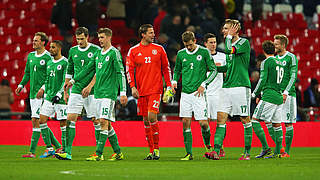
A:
(293, 75)
(262, 79)
(25, 79)
(165, 68)
(43, 87)
(177, 71)
(121, 78)
(70, 72)
(130, 66)
(241, 47)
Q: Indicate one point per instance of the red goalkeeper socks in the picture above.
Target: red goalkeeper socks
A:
(149, 137)
(155, 134)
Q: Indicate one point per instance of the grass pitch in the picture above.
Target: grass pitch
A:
(304, 163)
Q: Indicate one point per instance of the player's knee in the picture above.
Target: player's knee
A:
(204, 124)
(63, 123)
(276, 124)
(245, 119)
(95, 121)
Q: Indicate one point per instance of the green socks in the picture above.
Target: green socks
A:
(34, 139)
(271, 132)
(54, 141)
(187, 136)
(97, 129)
(289, 137)
(71, 133)
(219, 137)
(206, 134)
(102, 141)
(113, 139)
(46, 134)
(247, 137)
(63, 137)
(260, 133)
(278, 137)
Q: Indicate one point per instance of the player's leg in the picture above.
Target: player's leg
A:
(153, 109)
(113, 139)
(61, 111)
(46, 110)
(247, 136)
(291, 114)
(90, 107)
(206, 134)
(278, 137)
(186, 115)
(35, 115)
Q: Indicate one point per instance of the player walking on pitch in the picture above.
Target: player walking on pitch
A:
(146, 63)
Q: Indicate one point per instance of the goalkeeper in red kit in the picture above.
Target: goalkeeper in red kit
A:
(146, 63)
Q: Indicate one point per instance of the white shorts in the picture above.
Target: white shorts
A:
(212, 106)
(77, 102)
(268, 112)
(105, 109)
(235, 101)
(35, 107)
(47, 109)
(190, 103)
(289, 110)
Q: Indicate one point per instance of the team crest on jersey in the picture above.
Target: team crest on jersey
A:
(42, 62)
(90, 54)
(107, 58)
(199, 57)
(59, 67)
(154, 52)
(284, 63)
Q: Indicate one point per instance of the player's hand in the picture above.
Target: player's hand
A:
(200, 91)
(68, 85)
(65, 97)
(174, 87)
(55, 100)
(284, 97)
(18, 90)
(257, 100)
(86, 91)
(233, 29)
(40, 93)
(123, 100)
(168, 95)
(135, 92)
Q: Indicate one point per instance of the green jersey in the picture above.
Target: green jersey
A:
(290, 65)
(271, 76)
(238, 58)
(194, 66)
(35, 71)
(109, 74)
(56, 72)
(78, 59)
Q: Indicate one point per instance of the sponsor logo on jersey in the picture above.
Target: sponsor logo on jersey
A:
(42, 62)
(184, 60)
(199, 57)
(154, 52)
(107, 58)
(31, 61)
(75, 56)
(48, 67)
(90, 54)
(59, 67)
(139, 54)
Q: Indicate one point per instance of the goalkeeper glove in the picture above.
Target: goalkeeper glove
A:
(168, 95)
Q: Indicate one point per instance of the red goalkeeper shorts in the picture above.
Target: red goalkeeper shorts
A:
(148, 103)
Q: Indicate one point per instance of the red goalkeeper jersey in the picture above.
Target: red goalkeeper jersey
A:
(147, 65)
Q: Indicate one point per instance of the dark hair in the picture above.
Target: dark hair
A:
(58, 43)
(208, 36)
(143, 29)
(43, 37)
(5, 82)
(261, 57)
(188, 36)
(83, 30)
(106, 31)
(268, 47)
